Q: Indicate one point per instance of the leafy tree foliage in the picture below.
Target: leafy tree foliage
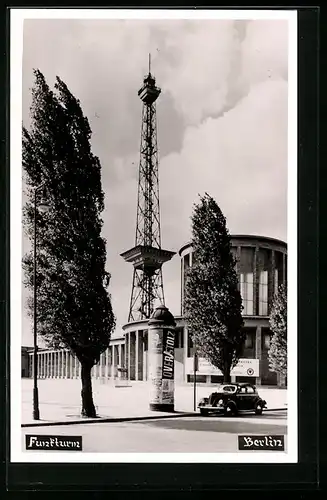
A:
(277, 353)
(73, 305)
(213, 305)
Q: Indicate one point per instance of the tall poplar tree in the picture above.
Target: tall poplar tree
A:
(277, 354)
(213, 304)
(73, 304)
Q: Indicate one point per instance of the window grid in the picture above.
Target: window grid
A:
(263, 293)
(248, 341)
(267, 341)
(246, 286)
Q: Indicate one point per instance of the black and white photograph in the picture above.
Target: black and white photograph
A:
(153, 236)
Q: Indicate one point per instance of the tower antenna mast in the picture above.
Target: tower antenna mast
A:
(147, 256)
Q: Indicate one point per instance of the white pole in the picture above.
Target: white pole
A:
(113, 362)
(129, 356)
(56, 364)
(120, 357)
(136, 355)
(185, 350)
(107, 362)
(63, 359)
(60, 363)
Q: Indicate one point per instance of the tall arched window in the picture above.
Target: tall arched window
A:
(245, 266)
(246, 289)
(263, 293)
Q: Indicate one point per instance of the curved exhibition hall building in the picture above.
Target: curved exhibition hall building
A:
(261, 266)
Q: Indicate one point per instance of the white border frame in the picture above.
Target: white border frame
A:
(17, 17)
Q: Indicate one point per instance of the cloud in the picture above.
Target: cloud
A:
(242, 157)
(199, 84)
(239, 157)
(222, 123)
(265, 52)
(214, 65)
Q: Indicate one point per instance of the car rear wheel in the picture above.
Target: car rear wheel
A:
(258, 409)
(204, 412)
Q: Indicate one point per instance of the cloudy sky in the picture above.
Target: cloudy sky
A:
(222, 123)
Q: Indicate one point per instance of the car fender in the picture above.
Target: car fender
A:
(203, 402)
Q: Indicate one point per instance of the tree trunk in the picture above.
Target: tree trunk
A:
(226, 373)
(88, 408)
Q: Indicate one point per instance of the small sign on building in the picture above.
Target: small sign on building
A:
(246, 367)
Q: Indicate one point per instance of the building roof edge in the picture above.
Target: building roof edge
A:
(242, 236)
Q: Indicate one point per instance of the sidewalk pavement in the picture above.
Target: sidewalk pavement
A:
(60, 401)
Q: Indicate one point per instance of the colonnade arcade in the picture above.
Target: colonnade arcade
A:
(62, 363)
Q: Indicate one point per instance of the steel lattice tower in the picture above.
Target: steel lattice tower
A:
(147, 256)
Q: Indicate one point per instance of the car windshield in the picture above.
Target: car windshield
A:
(228, 388)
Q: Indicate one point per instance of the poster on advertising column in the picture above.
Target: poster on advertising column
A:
(155, 366)
(168, 357)
(168, 361)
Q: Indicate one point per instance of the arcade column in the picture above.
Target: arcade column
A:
(185, 352)
(258, 352)
(161, 352)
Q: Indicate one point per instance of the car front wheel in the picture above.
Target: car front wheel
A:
(203, 412)
(230, 410)
(258, 409)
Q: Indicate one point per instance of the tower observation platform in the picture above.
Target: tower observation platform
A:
(147, 256)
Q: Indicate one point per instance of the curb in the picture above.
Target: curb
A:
(275, 409)
(109, 419)
(125, 419)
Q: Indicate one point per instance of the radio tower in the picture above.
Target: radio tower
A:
(147, 256)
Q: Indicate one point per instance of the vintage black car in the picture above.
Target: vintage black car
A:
(232, 399)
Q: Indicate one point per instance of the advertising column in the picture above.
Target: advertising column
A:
(161, 344)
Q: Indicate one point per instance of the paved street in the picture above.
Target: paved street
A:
(60, 399)
(179, 435)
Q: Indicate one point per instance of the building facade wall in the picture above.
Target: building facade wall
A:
(261, 266)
